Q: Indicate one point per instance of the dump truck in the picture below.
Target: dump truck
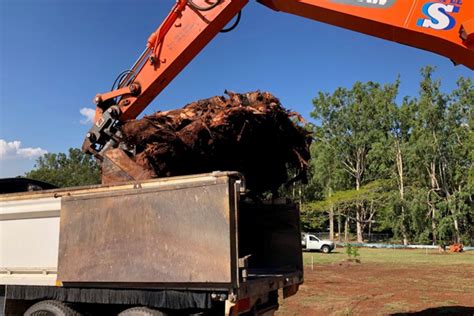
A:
(190, 244)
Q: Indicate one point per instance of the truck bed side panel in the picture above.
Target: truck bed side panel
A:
(165, 235)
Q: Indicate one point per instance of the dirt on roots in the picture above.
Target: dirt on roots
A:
(247, 132)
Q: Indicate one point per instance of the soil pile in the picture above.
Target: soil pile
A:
(251, 133)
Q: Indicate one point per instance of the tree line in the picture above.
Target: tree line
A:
(63, 170)
(404, 169)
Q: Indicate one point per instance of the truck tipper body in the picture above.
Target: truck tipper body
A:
(184, 244)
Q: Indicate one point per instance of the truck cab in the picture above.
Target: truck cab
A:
(310, 242)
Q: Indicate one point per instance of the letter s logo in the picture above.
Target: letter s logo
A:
(438, 14)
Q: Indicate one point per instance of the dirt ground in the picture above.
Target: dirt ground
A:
(343, 288)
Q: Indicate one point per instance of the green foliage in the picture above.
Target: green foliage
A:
(352, 251)
(349, 250)
(402, 168)
(312, 221)
(348, 198)
(355, 252)
(66, 170)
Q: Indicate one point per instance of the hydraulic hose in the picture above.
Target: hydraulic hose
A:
(237, 20)
(200, 8)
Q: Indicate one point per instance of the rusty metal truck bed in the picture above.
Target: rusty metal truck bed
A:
(194, 237)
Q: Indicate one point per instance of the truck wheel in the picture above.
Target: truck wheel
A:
(326, 249)
(141, 311)
(50, 308)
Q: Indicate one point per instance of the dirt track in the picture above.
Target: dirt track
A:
(384, 289)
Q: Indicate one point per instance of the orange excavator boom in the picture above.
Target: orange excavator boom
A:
(445, 27)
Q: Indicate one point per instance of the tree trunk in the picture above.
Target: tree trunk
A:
(359, 215)
(360, 237)
(401, 188)
(434, 188)
(456, 230)
(404, 229)
(452, 209)
(331, 223)
(370, 231)
(357, 172)
(300, 194)
(346, 229)
(339, 223)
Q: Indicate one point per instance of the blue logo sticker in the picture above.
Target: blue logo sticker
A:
(439, 16)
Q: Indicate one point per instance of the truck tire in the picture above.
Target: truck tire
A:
(50, 308)
(141, 311)
(326, 249)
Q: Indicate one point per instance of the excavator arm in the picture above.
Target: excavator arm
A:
(445, 27)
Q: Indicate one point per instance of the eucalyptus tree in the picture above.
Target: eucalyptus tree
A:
(441, 155)
(353, 122)
(327, 174)
(428, 142)
(398, 145)
(457, 159)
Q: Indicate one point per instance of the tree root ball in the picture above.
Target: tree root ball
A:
(251, 133)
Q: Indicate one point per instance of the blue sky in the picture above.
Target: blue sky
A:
(55, 55)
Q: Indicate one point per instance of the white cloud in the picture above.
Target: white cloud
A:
(88, 115)
(14, 150)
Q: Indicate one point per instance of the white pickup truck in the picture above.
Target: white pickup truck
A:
(311, 242)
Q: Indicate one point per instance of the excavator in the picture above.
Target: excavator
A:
(445, 27)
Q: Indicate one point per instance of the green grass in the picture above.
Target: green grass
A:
(394, 256)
